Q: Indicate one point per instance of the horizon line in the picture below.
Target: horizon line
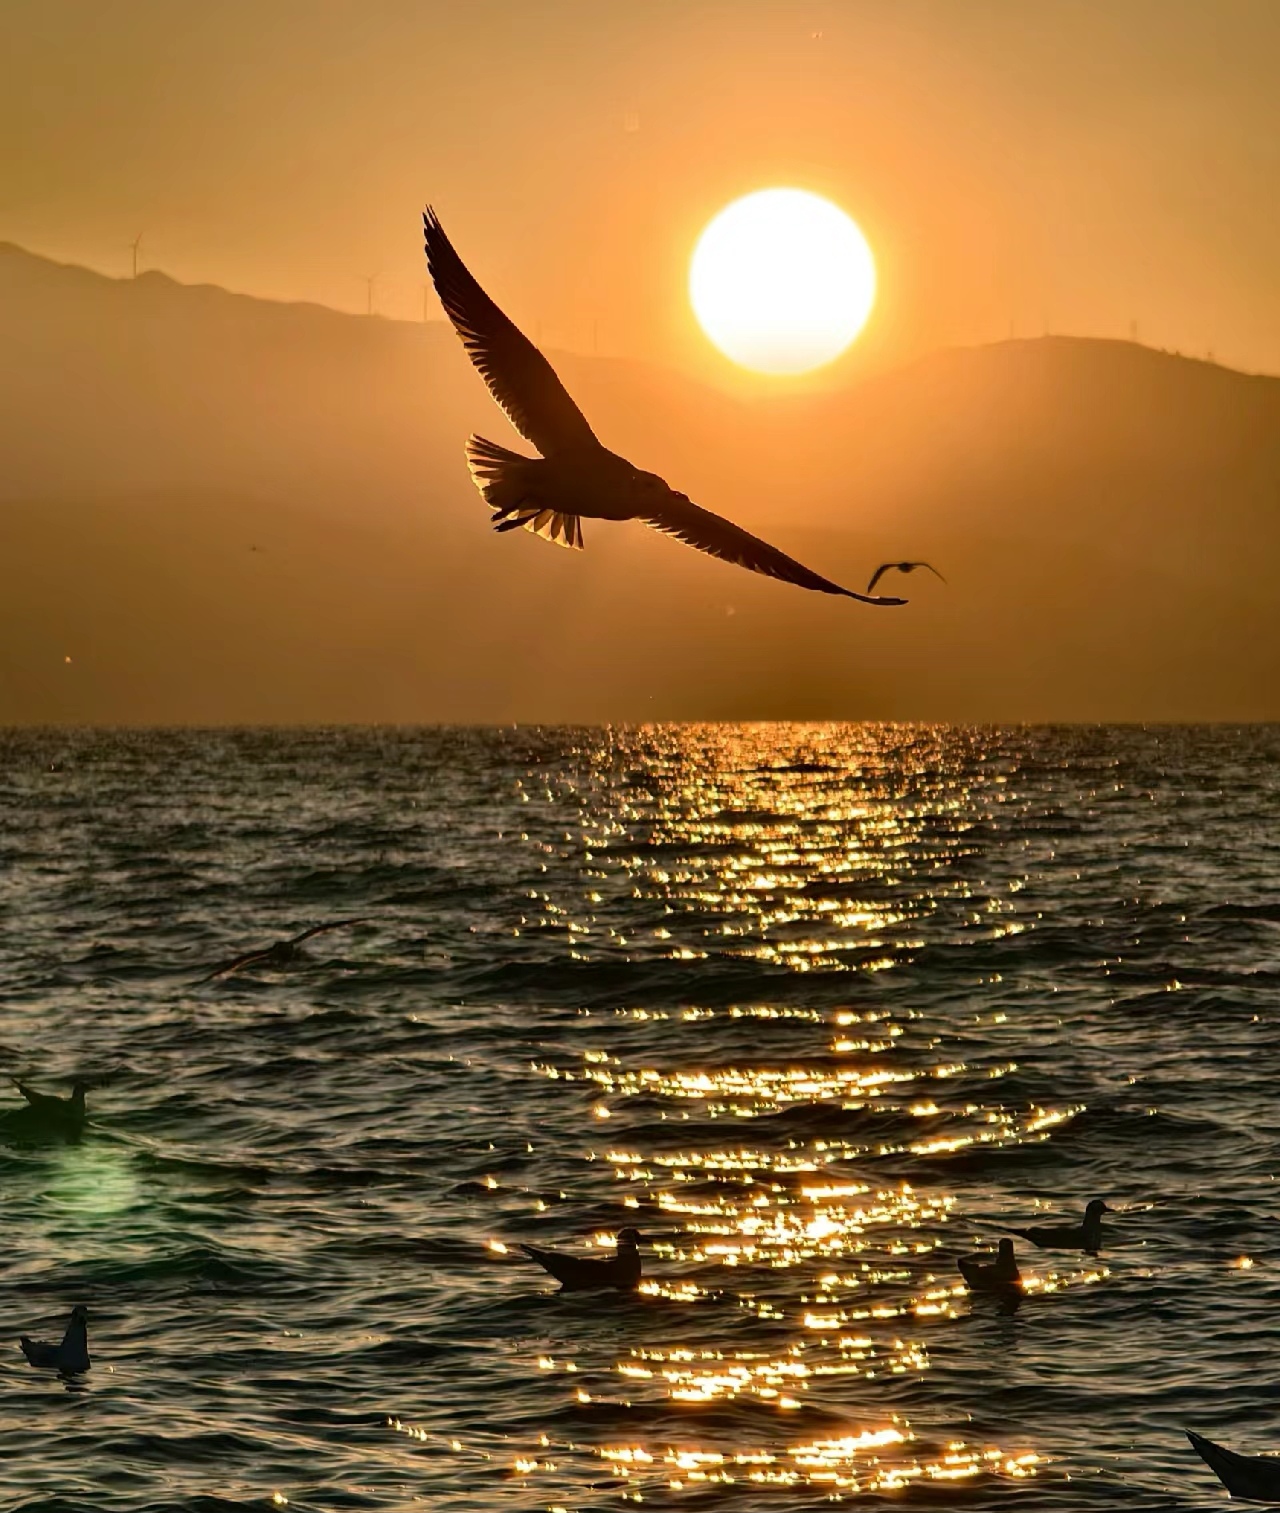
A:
(892, 365)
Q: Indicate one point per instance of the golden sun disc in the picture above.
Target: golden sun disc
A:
(782, 281)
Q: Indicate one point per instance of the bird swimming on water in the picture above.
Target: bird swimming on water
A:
(981, 1274)
(71, 1356)
(284, 953)
(46, 1113)
(590, 1274)
(1256, 1478)
(575, 476)
(900, 567)
(1086, 1235)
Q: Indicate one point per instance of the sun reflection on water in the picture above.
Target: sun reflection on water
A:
(814, 1246)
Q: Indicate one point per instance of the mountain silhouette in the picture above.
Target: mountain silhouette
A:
(223, 509)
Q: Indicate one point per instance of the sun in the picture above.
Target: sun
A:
(782, 281)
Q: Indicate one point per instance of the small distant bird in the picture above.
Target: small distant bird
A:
(900, 567)
(46, 1112)
(585, 1274)
(284, 953)
(71, 1356)
(984, 1275)
(1253, 1477)
(575, 476)
(1084, 1236)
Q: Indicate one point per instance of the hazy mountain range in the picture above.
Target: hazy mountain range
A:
(222, 509)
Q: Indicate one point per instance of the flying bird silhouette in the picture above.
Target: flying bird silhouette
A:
(900, 567)
(591, 1274)
(576, 475)
(282, 954)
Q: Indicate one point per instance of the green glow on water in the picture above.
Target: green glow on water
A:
(92, 1182)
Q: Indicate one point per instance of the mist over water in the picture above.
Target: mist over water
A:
(816, 1008)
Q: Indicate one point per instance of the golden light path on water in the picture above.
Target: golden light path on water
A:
(845, 1278)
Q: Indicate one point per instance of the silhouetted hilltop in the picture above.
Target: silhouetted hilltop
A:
(223, 508)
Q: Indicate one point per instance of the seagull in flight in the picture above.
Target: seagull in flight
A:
(284, 953)
(575, 476)
(900, 567)
(586, 1274)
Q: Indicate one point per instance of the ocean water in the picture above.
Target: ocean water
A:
(816, 1008)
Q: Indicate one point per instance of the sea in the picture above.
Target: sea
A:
(818, 1009)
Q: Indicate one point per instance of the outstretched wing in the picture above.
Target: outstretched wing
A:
(227, 967)
(697, 527)
(333, 924)
(932, 569)
(522, 381)
(879, 573)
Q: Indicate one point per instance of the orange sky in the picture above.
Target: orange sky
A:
(1068, 164)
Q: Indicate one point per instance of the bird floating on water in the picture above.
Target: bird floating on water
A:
(900, 567)
(576, 475)
(590, 1274)
(1084, 1236)
(71, 1356)
(982, 1274)
(1256, 1478)
(284, 953)
(46, 1113)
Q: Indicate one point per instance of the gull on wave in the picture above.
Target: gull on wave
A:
(982, 1274)
(46, 1112)
(1256, 1478)
(590, 1274)
(1086, 1235)
(71, 1356)
(576, 475)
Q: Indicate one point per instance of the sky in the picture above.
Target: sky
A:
(1074, 166)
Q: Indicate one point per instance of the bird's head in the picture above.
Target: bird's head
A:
(648, 485)
(628, 1237)
(1006, 1250)
(78, 1089)
(1096, 1209)
(79, 1314)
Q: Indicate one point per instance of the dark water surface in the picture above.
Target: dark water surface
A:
(817, 1008)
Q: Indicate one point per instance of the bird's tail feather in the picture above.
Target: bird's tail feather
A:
(509, 483)
(549, 1261)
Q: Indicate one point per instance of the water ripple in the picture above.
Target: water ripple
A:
(817, 1008)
